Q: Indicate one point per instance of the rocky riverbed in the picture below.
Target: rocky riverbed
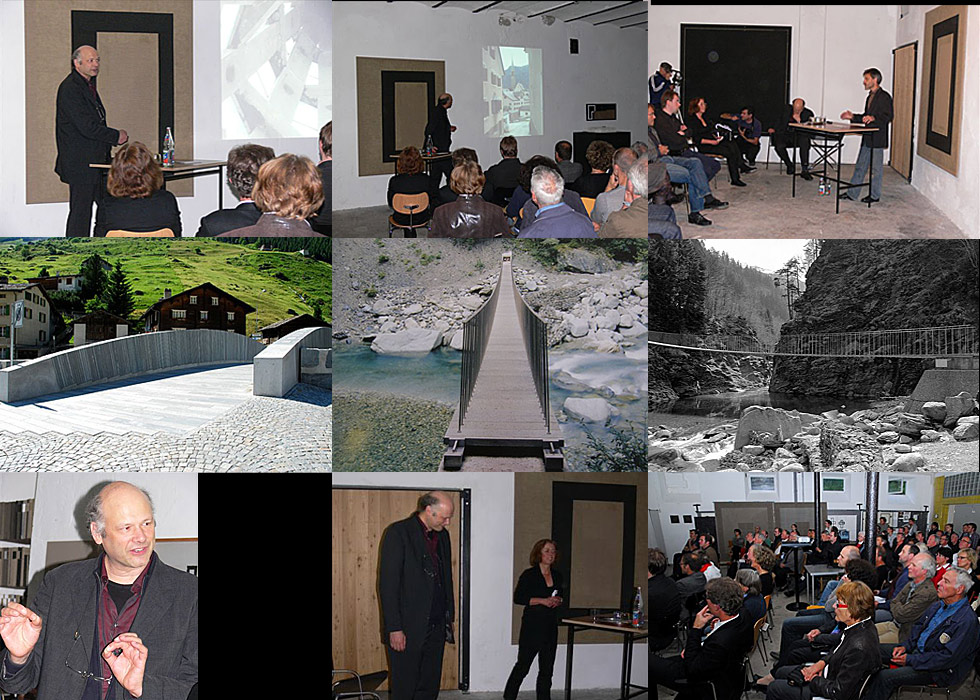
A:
(942, 437)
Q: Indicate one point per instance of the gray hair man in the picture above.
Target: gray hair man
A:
(554, 218)
(612, 199)
(631, 220)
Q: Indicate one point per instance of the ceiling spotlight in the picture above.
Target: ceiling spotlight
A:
(503, 21)
(548, 20)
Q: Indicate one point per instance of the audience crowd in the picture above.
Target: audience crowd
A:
(902, 612)
(541, 197)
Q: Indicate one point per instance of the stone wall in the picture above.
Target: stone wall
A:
(277, 368)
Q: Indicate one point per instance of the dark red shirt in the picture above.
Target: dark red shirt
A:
(110, 622)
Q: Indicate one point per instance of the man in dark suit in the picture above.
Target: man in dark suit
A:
(718, 640)
(663, 615)
(782, 137)
(243, 168)
(502, 178)
(878, 111)
(416, 589)
(119, 626)
(83, 138)
(321, 223)
(441, 132)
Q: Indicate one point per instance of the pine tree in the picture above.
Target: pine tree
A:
(118, 296)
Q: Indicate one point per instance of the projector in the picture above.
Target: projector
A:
(548, 20)
(503, 21)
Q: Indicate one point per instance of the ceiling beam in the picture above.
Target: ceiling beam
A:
(600, 12)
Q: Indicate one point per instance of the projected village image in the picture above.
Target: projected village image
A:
(512, 91)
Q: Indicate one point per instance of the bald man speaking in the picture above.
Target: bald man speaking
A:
(441, 132)
(83, 138)
(122, 625)
(415, 579)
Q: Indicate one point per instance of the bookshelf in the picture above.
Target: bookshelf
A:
(16, 530)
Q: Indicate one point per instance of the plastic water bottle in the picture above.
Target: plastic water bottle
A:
(168, 149)
(429, 148)
(823, 187)
(638, 608)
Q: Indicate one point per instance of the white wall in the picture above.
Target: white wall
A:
(831, 46)
(20, 219)
(57, 497)
(676, 494)
(955, 195)
(607, 69)
(492, 656)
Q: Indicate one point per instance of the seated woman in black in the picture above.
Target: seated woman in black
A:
(136, 201)
(708, 140)
(410, 180)
(599, 155)
(540, 590)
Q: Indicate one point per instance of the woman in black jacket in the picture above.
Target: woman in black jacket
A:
(137, 201)
(706, 137)
(840, 675)
(539, 590)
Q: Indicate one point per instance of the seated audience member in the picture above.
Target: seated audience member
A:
(321, 221)
(675, 136)
(570, 170)
(707, 139)
(841, 674)
(682, 170)
(136, 201)
(445, 195)
(521, 199)
(663, 615)
(749, 132)
(612, 199)
(661, 221)
(554, 218)
(783, 137)
(939, 648)
(718, 640)
(909, 603)
(599, 157)
(944, 559)
(628, 221)
(966, 559)
(706, 545)
(243, 167)
(753, 603)
(409, 178)
(639, 149)
(502, 176)
(692, 581)
(469, 216)
(763, 560)
(288, 191)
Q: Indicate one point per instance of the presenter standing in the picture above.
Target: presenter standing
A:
(83, 138)
(878, 111)
(440, 130)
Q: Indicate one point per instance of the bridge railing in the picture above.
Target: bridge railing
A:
(535, 332)
(476, 334)
(730, 343)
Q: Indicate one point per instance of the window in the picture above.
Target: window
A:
(231, 316)
(835, 484)
(193, 299)
(961, 485)
(42, 336)
(762, 483)
(42, 318)
(897, 487)
(214, 301)
(5, 310)
(178, 313)
(204, 315)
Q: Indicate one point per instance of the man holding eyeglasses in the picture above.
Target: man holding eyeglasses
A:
(120, 626)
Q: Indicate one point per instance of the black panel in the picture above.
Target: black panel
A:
(732, 66)
(563, 496)
(86, 25)
(938, 141)
(390, 149)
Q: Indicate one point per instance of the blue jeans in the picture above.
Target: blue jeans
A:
(691, 171)
(861, 170)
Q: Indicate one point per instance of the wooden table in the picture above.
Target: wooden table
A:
(831, 135)
(184, 169)
(630, 634)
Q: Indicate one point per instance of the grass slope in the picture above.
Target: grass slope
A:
(273, 282)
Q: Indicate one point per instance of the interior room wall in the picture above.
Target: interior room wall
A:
(20, 219)
(831, 46)
(491, 574)
(607, 69)
(57, 497)
(676, 494)
(955, 195)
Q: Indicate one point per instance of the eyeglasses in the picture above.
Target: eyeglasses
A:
(838, 604)
(83, 674)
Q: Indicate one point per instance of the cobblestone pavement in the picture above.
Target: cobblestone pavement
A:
(262, 434)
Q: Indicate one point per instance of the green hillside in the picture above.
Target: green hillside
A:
(273, 282)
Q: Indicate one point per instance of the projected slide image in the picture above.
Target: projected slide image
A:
(512, 91)
(275, 68)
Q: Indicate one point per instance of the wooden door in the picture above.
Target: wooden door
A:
(903, 124)
(360, 517)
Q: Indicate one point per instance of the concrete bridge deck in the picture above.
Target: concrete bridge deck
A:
(504, 415)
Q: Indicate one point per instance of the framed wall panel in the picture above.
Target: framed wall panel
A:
(394, 100)
(941, 106)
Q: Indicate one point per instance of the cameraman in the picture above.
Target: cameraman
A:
(660, 81)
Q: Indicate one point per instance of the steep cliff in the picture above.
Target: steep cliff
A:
(878, 285)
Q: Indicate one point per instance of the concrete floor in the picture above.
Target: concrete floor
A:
(556, 692)
(761, 663)
(765, 208)
(366, 222)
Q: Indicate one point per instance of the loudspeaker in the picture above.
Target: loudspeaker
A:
(573, 46)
